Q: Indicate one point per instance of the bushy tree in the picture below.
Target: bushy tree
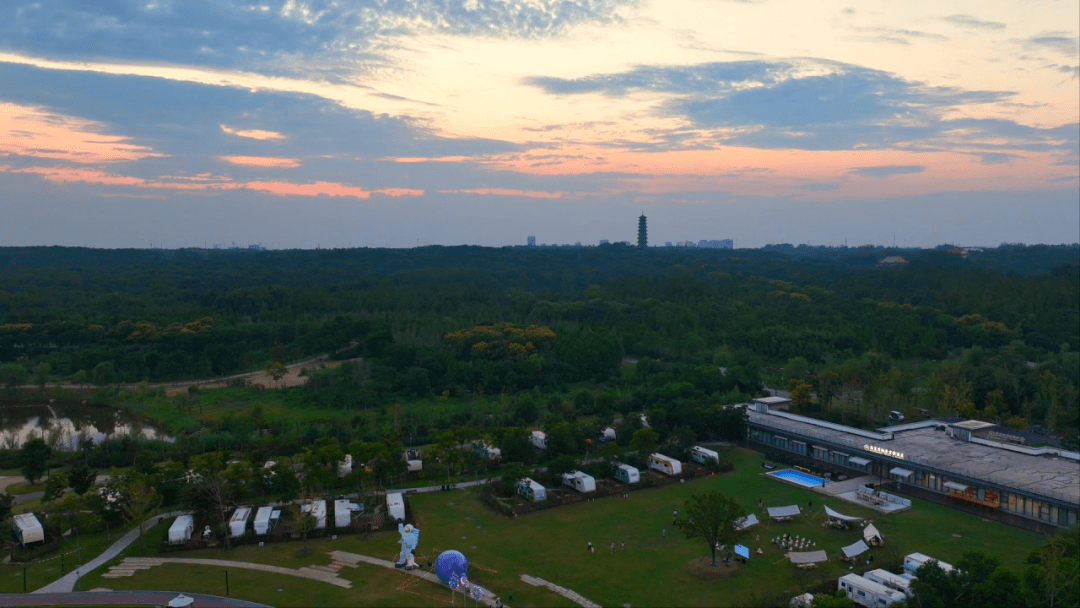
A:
(710, 516)
(34, 459)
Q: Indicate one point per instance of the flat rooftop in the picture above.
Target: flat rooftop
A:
(1050, 476)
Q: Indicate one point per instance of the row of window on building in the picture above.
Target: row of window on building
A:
(1006, 501)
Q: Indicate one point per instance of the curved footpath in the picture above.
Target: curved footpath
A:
(114, 598)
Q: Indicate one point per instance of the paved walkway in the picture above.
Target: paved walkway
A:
(573, 596)
(67, 583)
(114, 598)
(324, 574)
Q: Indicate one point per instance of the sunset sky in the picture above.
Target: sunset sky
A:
(371, 123)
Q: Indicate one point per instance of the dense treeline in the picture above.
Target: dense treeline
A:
(994, 333)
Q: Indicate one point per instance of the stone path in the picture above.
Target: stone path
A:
(573, 596)
(325, 574)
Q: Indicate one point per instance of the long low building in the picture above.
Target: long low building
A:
(950, 462)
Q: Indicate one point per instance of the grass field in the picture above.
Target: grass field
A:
(551, 544)
(48, 568)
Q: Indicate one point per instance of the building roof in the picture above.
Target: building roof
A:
(1042, 475)
(972, 425)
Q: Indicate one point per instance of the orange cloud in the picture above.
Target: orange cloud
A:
(35, 132)
(399, 192)
(262, 161)
(316, 189)
(506, 192)
(253, 133)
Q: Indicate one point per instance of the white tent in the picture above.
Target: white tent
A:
(745, 522)
(841, 516)
(808, 557)
(788, 511)
(181, 601)
(854, 550)
(872, 536)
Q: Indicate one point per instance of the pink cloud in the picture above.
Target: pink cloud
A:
(35, 132)
(262, 161)
(506, 192)
(253, 133)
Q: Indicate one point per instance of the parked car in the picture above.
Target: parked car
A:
(895, 416)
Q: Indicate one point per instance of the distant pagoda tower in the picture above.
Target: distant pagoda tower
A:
(642, 232)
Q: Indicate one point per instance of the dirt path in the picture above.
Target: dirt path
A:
(291, 378)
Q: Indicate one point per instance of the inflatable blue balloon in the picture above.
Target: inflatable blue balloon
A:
(450, 564)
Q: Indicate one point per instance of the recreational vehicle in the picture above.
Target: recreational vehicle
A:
(28, 529)
(181, 529)
(913, 561)
(238, 521)
(539, 439)
(607, 435)
(413, 463)
(395, 506)
(484, 449)
(265, 520)
(317, 510)
(343, 511)
(579, 481)
(531, 490)
(890, 580)
(627, 474)
(868, 593)
(344, 467)
(702, 455)
(664, 464)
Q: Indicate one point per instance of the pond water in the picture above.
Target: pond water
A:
(63, 426)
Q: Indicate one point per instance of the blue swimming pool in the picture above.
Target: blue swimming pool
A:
(803, 479)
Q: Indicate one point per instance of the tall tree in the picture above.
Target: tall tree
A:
(34, 459)
(81, 478)
(711, 516)
(140, 501)
(212, 496)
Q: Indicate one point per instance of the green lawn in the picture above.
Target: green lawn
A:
(551, 544)
(48, 567)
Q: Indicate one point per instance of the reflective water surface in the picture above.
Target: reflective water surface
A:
(63, 426)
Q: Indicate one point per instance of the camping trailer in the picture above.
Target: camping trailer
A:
(539, 439)
(181, 529)
(531, 490)
(238, 521)
(413, 462)
(395, 506)
(344, 467)
(28, 529)
(868, 593)
(665, 464)
(487, 451)
(890, 580)
(265, 520)
(343, 512)
(627, 474)
(581, 482)
(316, 509)
(913, 561)
(607, 435)
(702, 455)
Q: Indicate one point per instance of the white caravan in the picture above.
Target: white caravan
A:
(238, 521)
(702, 455)
(317, 510)
(265, 520)
(181, 529)
(28, 529)
(579, 481)
(868, 593)
(665, 464)
(913, 561)
(395, 506)
(539, 439)
(627, 474)
(890, 580)
(343, 512)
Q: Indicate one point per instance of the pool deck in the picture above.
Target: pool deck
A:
(845, 491)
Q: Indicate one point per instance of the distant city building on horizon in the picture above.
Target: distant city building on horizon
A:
(532, 241)
(642, 232)
(705, 244)
(604, 242)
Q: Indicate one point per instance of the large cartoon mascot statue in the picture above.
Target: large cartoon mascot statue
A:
(410, 539)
